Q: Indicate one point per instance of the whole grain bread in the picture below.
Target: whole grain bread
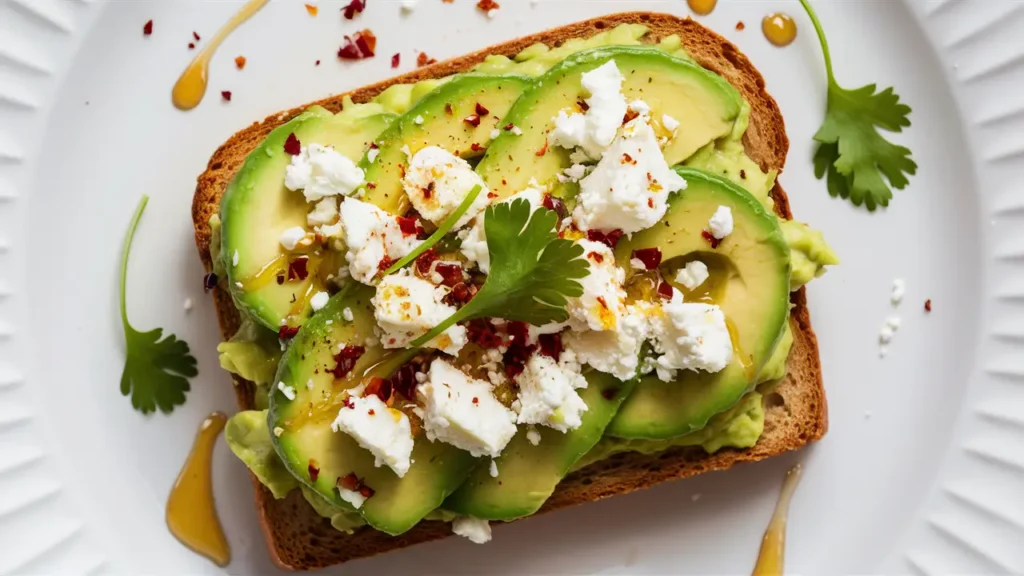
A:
(796, 414)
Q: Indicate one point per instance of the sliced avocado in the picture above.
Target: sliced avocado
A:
(257, 207)
(528, 474)
(447, 117)
(705, 105)
(318, 456)
(749, 281)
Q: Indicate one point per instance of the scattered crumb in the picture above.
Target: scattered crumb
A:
(488, 6)
(396, 60)
(927, 303)
(422, 59)
(191, 45)
(240, 62)
(695, 497)
(313, 10)
(147, 28)
(868, 415)
(740, 26)
(899, 288)
(408, 5)
(226, 95)
(195, 35)
(188, 305)
(317, 63)
(278, 431)
(494, 469)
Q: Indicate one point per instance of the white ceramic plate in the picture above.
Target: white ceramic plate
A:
(921, 470)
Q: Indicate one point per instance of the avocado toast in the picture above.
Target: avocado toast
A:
(636, 432)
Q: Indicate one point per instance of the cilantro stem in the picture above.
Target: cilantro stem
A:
(821, 38)
(124, 257)
(445, 227)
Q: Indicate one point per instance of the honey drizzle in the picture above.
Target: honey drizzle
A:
(771, 558)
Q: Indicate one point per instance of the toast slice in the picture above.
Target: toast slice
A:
(796, 414)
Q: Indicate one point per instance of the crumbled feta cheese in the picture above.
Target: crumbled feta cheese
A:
(637, 264)
(614, 352)
(595, 129)
(382, 430)
(188, 305)
(309, 384)
(462, 411)
(690, 336)
(353, 497)
(347, 314)
(408, 5)
(516, 130)
(495, 133)
(371, 156)
(405, 150)
(319, 300)
(320, 171)
(372, 235)
(278, 431)
(290, 238)
(494, 469)
(437, 182)
(603, 300)
(628, 189)
(418, 120)
(288, 391)
(474, 238)
(693, 274)
(407, 307)
(720, 222)
(234, 260)
(492, 12)
(892, 324)
(573, 173)
(899, 288)
(640, 107)
(325, 212)
(532, 435)
(476, 530)
(669, 122)
(547, 392)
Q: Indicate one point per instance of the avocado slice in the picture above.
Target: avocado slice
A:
(528, 474)
(749, 281)
(445, 118)
(257, 207)
(318, 456)
(705, 105)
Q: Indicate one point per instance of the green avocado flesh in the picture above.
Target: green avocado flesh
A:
(257, 207)
(440, 119)
(749, 281)
(306, 442)
(705, 105)
(528, 474)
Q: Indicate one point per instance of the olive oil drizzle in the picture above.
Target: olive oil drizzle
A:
(191, 514)
(771, 558)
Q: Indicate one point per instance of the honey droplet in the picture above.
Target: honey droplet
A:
(702, 7)
(779, 29)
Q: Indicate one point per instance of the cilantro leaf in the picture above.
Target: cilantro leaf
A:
(156, 371)
(858, 162)
(533, 271)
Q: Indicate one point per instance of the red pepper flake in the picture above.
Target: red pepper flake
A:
(665, 290)
(385, 263)
(358, 46)
(226, 95)
(550, 345)
(555, 204)
(928, 305)
(365, 491)
(473, 120)
(609, 393)
(448, 108)
(519, 349)
(210, 282)
(353, 483)
(451, 274)
(650, 202)
(476, 400)
(403, 381)
(195, 35)
(409, 226)
(627, 159)
(314, 470)
(298, 269)
(240, 62)
(396, 59)
(461, 293)
(740, 25)
(367, 42)
(543, 150)
(480, 331)
(280, 278)
(354, 7)
(476, 147)
(349, 403)
(371, 412)
(707, 235)
(191, 46)
(609, 239)
(582, 104)
(317, 63)
(480, 110)
(629, 116)
(380, 388)
(651, 257)
(487, 5)
(313, 10)
(424, 260)
(508, 126)
(596, 257)
(292, 145)
(147, 28)
(346, 360)
(287, 332)
(422, 59)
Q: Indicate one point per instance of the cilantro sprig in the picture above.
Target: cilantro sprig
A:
(156, 371)
(861, 164)
(533, 271)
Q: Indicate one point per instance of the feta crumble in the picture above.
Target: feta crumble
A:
(690, 336)
(532, 435)
(493, 469)
(347, 315)
(476, 530)
(188, 305)
(353, 497)
(372, 235)
(594, 130)
(892, 324)
(290, 238)
(669, 123)
(437, 182)
(372, 154)
(234, 260)
(288, 391)
(325, 212)
(721, 223)
(899, 288)
(462, 411)
(320, 171)
(603, 300)
(474, 238)
(547, 392)
(319, 300)
(693, 274)
(614, 352)
(407, 307)
(382, 430)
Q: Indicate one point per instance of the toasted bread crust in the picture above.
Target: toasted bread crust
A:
(796, 414)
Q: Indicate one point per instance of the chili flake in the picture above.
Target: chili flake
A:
(147, 28)
(314, 470)
(422, 59)
(543, 150)
(629, 116)
(555, 204)
(298, 269)
(481, 331)
(226, 95)
(665, 290)
(287, 332)
(396, 59)
(928, 305)
(707, 235)
(476, 147)
(550, 345)
(473, 120)
(354, 7)
(292, 145)
(424, 260)
(240, 62)
(609, 239)
(740, 26)
(487, 5)
(358, 46)
(409, 226)
(195, 35)
(346, 360)
(380, 388)
(651, 257)
(313, 10)
(480, 110)
(451, 274)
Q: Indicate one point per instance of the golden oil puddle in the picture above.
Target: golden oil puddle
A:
(191, 514)
(702, 7)
(190, 88)
(771, 558)
(779, 29)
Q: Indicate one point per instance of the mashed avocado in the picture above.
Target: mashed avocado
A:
(809, 253)
(253, 354)
(343, 520)
(248, 437)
